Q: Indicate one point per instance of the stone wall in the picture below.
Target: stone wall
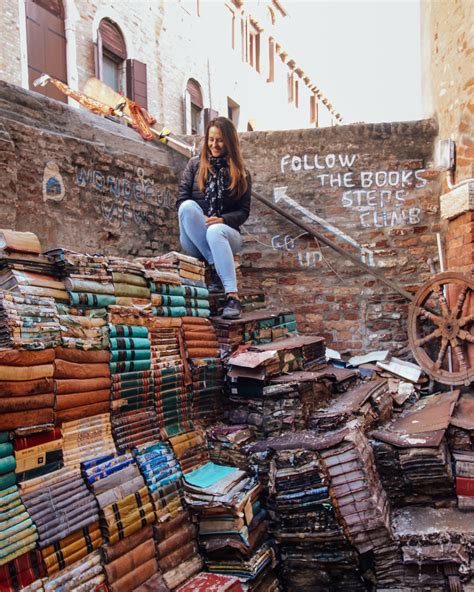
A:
(84, 182)
(81, 181)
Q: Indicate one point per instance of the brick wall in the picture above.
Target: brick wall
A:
(367, 182)
(460, 244)
(448, 46)
(81, 181)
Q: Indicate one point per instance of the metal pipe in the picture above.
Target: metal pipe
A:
(332, 245)
(445, 292)
(320, 237)
(314, 233)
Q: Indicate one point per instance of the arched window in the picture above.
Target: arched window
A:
(111, 55)
(194, 107)
(46, 41)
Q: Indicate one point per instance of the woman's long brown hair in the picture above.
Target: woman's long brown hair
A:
(238, 180)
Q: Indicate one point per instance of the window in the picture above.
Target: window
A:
(291, 87)
(313, 110)
(253, 56)
(195, 119)
(233, 111)
(271, 60)
(46, 41)
(194, 107)
(111, 55)
(111, 71)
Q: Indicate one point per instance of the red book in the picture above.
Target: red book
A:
(24, 442)
(465, 486)
(210, 582)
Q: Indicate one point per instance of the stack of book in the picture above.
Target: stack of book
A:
(226, 503)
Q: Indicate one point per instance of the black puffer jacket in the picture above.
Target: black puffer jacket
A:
(234, 211)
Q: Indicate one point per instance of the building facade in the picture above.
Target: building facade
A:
(448, 80)
(448, 93)
(185, 60)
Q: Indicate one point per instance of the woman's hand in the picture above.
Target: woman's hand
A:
(214, 220)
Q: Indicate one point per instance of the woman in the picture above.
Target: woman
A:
(213, 202)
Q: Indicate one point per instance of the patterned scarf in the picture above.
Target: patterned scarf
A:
(216, 185)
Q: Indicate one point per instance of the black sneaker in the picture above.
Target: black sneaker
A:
(215, 284)
(232, 308)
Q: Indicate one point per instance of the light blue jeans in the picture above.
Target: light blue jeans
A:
(217, 243)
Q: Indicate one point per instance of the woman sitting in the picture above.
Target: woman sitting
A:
(213, 202)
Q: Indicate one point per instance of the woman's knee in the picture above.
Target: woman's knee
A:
(216, 232)
(188, 207)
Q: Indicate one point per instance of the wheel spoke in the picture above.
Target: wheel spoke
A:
(460, 301)
(436, 333)
(442, 299)
(466, 336)
(459, 354)
(422, 312)
(465, 320)
(442, 353)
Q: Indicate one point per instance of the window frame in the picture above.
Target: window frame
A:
(105, 49)
(232, 26)
(271, 60)
(253, 45)
(194, 109)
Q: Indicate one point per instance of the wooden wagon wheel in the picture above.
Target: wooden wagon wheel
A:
(440, 319)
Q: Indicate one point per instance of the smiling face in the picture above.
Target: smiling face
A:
(215, 142)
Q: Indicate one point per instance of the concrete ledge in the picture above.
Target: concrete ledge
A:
(458, 201)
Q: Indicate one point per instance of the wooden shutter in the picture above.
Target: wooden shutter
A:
(112, 39)
(55, 7)
(136, 82)
(194, 89)
(46, 41)
(209, 115)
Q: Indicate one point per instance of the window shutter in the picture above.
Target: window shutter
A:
(54, 7)
(194, 90)
(46, 45)
(112, 39)
(209, 115)
(136, 82)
